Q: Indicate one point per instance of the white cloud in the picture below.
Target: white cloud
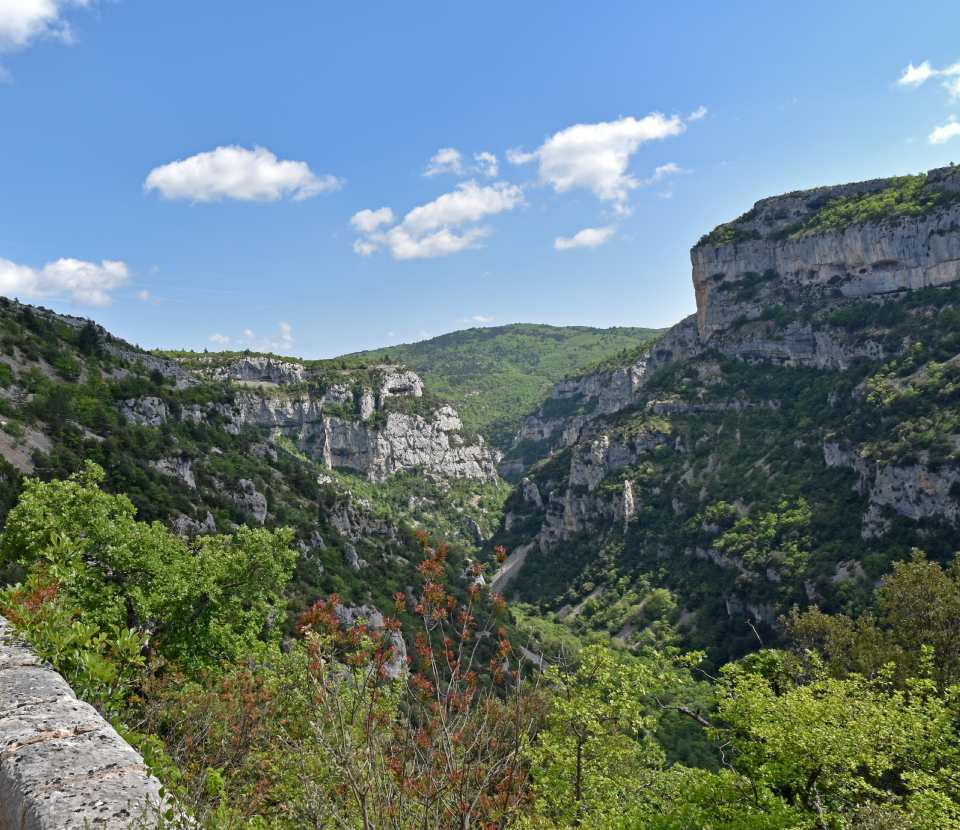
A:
(917, 75)
(85, 283)
(450, 160)
(468, 203)
(219, 339)
(945, 132)
(238, 173)
(367, 221)
(143, 295)
(279, 341)
(436, 228)
(487, 164)
(443, 242)
(248, 333)
(697, 114)
(479, 318)
(914, 76)
(663, 171)
(445, 160)
(587, 238)
(22, 21)
(596, 156)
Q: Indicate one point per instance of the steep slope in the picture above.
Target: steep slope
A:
(496, 375)
(783, 446)
(354, 460)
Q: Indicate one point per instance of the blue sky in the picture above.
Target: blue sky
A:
(132, 189)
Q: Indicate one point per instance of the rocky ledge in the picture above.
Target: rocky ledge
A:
(62, 766)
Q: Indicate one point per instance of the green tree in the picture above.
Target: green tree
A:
(196, 603)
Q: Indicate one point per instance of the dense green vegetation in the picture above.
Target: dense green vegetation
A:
(851, 724)
(737, 513)
(904, 197)
(495, 376)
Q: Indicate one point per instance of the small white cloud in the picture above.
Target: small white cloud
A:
(587, 238)
(481, 319)
(233, 172)
(945, 132)
(665, 170)
(391, 334)
(219, 339)
(85, 283)
(437, 228)
(445, 160)
(487, 164)
(953, 88)
(917, 75)
(367, 221)
(143, 295)
(248, 333)
(596, 156)
(697, 114)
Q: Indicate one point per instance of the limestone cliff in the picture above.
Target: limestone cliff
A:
(815, 385)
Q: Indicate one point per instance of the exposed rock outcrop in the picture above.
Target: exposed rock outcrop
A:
(62, 766)
(859, 260)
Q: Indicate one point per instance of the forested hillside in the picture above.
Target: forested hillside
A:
(783, 447)
(496, 375)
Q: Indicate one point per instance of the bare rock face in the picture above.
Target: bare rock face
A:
(261, 369)
(148, 411)
(860, 260)
(249, 499)
(62, 766)
(179, 468)
(572, 404)
(917, 491)
(190, 528)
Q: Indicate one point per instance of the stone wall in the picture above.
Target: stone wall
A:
(62, 766)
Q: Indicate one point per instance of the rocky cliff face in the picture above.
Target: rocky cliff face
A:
(768, 255)
(346, 425)
(816, 379)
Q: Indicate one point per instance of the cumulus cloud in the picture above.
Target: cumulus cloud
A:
(482, 319)
(85, 283)
(914, 76)
(445, 160)
(945, 132)
(23, 21)
(697, 114)
(587, 238)
(437, 228)
(596, 156)
(367, 221)
(233, 172)
(219, 339)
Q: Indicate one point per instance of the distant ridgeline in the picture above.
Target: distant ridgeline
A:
(782, 446)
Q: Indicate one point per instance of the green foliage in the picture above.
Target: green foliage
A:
(194, 604)
(906, 196)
